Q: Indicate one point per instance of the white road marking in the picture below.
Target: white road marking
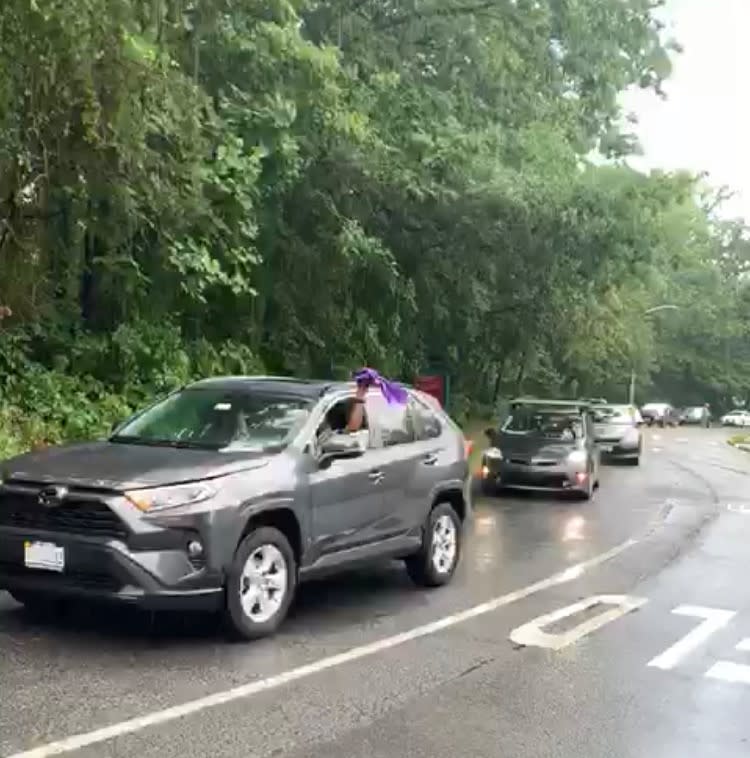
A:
(726, 671)
(682, 440)
(655, 450)
(715, 619)
(734, 673)
(533, 634)
(85, 739)
(656, 436)
(743, 509)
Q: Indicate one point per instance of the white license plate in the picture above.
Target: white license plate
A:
(606, 448)
(44, 555)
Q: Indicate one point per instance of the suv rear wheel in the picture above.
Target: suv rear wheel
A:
(261, 584)
(438, 557)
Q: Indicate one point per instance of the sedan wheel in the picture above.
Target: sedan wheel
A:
(261, 584)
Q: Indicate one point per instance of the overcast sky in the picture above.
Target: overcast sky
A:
(704, 125)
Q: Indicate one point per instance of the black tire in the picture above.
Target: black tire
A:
(420, 566)
(587, 493)
(488, 489)
(239, 623)
(38, 603)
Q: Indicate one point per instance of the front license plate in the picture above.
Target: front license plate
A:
(44, 555)
(606, 448)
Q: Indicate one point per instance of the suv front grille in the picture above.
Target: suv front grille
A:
(74, 516)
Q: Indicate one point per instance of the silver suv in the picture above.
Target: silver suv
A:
(228, 492)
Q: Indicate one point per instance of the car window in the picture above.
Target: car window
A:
(427, 426)
(613, 414)
(395, 421)
(541, 422)
(336, 419)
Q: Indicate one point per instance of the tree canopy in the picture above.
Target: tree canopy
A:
(305, 186)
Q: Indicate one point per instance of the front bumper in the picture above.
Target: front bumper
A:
(112, 552)
(108, 571)
(560, 477)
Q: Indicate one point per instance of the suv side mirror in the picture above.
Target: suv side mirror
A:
(341, 446)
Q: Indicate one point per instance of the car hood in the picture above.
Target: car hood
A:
(528, 445)
(115, 466)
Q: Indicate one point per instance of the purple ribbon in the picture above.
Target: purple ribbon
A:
(393, 392)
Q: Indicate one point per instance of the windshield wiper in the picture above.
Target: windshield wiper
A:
(184, 444)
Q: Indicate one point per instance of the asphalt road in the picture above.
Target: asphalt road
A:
(651, 659)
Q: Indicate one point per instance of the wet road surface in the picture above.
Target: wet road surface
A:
(369, 665)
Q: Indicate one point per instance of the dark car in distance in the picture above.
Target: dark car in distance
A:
(697, 415)
(617, 432)
(228, 492)
(660, 414)
(543, 445)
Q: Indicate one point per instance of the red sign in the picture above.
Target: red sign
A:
(432, 385)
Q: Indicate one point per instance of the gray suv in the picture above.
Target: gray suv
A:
(227, 493)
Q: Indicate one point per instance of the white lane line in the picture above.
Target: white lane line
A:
(734, 673)
(86, 739)
(715, 619)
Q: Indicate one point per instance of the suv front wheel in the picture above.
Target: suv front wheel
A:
(261, 584)
(438, 557)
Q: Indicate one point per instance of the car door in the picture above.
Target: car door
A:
(402, 458)
(346, 497)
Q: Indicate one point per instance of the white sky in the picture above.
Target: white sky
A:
(704, 125)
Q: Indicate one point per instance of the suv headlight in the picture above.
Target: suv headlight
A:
(161, 498)
(493, 453)
(578, 457)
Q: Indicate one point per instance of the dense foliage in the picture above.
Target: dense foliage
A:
(199, 186)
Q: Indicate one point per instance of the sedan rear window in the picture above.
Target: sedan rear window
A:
(215, 418)
(544, 423)
(613, 414)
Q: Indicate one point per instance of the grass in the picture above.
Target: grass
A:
(739, 439)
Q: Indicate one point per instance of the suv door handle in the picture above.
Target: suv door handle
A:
(376, 476)
(430, 459)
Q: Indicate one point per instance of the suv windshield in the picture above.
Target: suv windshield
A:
(541, 422)
(218, 418)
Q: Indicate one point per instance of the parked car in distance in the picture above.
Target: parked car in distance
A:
(659, 414)
(736, 418)
(543, 445)
(617, 432)
(697, 415)
(228, 492)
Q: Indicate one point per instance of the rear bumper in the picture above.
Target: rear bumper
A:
(614, 450)
(562, 478)
(106, 570)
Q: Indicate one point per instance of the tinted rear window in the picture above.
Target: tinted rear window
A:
(545, 423)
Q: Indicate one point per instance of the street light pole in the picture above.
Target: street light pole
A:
(655, 309)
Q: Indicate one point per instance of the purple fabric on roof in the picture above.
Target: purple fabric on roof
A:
(393, 392)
